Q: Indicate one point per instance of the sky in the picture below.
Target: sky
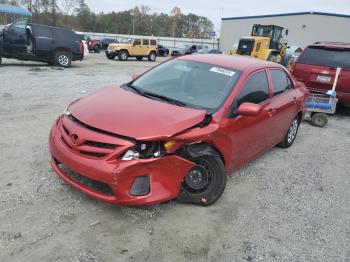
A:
(216, 9)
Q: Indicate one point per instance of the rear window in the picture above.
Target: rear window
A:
(326, 57)
(153, 42)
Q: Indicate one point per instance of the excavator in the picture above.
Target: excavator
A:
(267, 42)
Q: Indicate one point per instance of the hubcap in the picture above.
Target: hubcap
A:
(292, 132)
(63, 60)
(124, 56)
(199, 179)
(153, 56)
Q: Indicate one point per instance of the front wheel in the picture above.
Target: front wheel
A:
(291, 133)
(123, 55)
(204, 183)
(110, 56)
(63, 59)
(152, 56)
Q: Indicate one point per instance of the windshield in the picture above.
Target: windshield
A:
(195, 84)
(326, 57)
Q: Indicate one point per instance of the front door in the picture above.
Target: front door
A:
(251, 135)
(15, 37)
(44, 42)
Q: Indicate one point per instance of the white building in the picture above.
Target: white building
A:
(304, 27)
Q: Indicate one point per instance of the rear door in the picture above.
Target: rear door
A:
(316, 68)
(44, 42)
(285, 102)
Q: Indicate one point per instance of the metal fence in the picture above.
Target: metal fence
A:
(169, 42)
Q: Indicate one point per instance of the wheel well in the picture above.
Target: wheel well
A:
(200, 149)
(62, 49)
(121, 50)
(300, 116)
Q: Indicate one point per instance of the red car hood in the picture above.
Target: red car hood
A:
(125, 113)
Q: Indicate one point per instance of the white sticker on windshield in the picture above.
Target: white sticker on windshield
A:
(222, 71)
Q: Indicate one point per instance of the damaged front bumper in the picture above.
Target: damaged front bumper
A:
(134, 182)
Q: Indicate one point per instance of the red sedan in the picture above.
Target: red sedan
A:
(177, 130)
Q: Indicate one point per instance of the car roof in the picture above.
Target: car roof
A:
(236, 62)
(331, 44)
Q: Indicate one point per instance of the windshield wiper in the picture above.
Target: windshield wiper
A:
(152, 95)
(165, 98)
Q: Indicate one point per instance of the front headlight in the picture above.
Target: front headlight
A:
(147, 150)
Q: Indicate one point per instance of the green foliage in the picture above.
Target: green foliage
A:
(76, 14)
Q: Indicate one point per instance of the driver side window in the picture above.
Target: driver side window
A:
(19, 26)
(255, 90)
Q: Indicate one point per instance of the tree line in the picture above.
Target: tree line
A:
(77, 15)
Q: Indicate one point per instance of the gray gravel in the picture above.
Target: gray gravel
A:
(289, 205)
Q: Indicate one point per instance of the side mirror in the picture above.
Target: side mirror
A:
(135, 76)
(249, 109)
(287, 31)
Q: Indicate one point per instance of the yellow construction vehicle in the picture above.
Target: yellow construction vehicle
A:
(267, 42)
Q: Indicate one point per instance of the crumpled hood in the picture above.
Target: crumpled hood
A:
(125, 113)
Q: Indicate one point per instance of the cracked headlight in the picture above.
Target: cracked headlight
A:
(145, 150)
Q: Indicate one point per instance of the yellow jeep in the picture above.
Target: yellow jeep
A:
(138, 47)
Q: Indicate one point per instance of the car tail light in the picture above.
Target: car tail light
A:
(81, 47)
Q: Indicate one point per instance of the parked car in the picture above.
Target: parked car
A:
(138, 47)
(209, 51)
(85, 40)
(106, 41)
(316, 68)
(187, 50)
(177, 130)
(33, 42)
(162, 51)
(94, 45)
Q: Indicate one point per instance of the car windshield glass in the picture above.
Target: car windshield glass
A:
(194, 84)
(326, 57)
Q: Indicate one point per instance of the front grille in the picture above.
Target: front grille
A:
(98, 155)
(100, 145)
(245, 47)
(88, 182)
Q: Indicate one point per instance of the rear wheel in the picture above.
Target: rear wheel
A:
(96, 49)
(123, 55)
(204, 183)
(271, 58)
(139, 58)
(291, 133)
(0, 60)
(319, 119)
(152, 56)
(63, 59)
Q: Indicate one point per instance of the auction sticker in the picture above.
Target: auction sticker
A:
(222, 71)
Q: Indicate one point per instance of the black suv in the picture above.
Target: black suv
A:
(32, 42)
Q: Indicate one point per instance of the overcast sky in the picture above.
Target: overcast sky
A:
(216, 9)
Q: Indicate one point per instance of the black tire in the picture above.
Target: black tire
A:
(291, 134)
(319, 119)
(271, 58)
(123, 55)
(0, 60)
(96, 49)
(152, 56)
(139, 58)
(109, 56)
(166, 53)
(63, 59)
(204, 183)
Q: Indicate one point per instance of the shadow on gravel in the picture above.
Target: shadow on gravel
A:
(343, 110)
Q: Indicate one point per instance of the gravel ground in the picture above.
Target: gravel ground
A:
(289, 205)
